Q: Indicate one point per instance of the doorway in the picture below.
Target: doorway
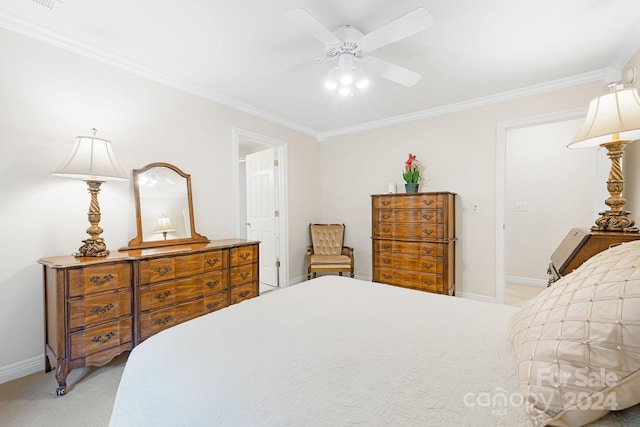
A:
(260, 202)
(537, 186)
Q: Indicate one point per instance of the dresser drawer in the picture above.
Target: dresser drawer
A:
(412, 201)
(409, 262)
(241, 293)
(416, 248)
(103, 277)
(199, 286)
(244, 255)
(409, 279)
(100, 338)
(155, 321)
(408, 231)
(157, 296)
(99, 309)
(159, 269)
(243, 274)
(424, 216)
(217, 301)
(215, 260)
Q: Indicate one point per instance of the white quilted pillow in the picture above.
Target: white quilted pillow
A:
(578, 342)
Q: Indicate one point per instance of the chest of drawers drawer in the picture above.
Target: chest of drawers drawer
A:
(410, 262)
(414, 248)
(243, 292)
(243, 274)
(411, 279)
(407, 231)
(423, 216)
(417, 201)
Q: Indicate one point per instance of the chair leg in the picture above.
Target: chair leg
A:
(340, 273)
(351, 274)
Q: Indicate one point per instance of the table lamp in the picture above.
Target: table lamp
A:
(164, 226)
(93, 161)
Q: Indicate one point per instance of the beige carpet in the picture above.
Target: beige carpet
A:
(32, 401)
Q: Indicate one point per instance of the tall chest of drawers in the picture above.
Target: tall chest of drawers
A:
(413, 240)
(97, 308)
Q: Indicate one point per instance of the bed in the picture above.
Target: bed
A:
(335, 351)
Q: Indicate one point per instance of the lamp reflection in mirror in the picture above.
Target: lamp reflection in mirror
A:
(612, 122)
(164, 226)
(92, 160)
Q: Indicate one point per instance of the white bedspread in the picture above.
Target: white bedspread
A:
(329, 352)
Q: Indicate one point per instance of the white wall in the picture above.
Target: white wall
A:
(49, 96)
(549, 189)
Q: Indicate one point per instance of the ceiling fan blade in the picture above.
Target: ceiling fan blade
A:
(411, 23)
(297, 66)
(303, 19)
(390, 71)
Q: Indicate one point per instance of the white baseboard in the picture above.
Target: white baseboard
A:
(527, 281)
(21, 369)
(476, 297)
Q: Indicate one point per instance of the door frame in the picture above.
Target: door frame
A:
(501, 147)
(282, 193)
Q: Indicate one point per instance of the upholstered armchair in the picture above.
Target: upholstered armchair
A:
(327, 252)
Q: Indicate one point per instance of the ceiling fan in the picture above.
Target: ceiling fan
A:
(349, 48)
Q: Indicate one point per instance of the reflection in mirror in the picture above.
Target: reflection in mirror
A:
(164, 209)
(164, 205)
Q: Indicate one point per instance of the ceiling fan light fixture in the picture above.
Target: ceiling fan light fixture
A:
(362, 81)
(344, 90)
(331, 82)
(345, 64)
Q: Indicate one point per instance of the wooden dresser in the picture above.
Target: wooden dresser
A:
(96, 308)
(413, 239)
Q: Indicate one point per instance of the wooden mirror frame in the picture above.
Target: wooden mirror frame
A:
(138, 242)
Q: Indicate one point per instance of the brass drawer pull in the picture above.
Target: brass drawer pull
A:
(162, 270)
(427, 281)
(244, 275)
(427, 202)
(245, 256)
(386, 216)
(386, 246)
(212, 262)
(101, 310)
(387, 276)
(97, 280)
(427, 217)
(213, 284)
(244, 294)
(99, 339)
(386, 230)
(163, 296)
(425, 265)
(430, 250)
(426, 231)
(163, 321)
(386, 261)
(385, 203)
(212, 306)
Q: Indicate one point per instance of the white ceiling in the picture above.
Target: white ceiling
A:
(227, 50)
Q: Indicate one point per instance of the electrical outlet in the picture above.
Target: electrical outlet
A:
(475, 207)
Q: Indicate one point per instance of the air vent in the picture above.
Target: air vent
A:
(47, 3)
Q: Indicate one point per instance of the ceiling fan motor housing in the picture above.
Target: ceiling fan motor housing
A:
(349, 37)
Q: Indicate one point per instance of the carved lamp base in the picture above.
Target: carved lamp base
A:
(619, 221)
(93, 248)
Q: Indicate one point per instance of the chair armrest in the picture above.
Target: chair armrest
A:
(309, 250)
(347, 250)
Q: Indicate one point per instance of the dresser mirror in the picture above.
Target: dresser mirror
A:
(164, 208)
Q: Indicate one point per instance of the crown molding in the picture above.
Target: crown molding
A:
(466, 105)
(28, 29)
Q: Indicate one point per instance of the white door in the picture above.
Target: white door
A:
(261, 214)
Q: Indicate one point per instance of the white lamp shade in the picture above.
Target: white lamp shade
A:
(617, 112)
(163, 225)
(91, 159)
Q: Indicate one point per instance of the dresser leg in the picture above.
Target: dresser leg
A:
(61, 377)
